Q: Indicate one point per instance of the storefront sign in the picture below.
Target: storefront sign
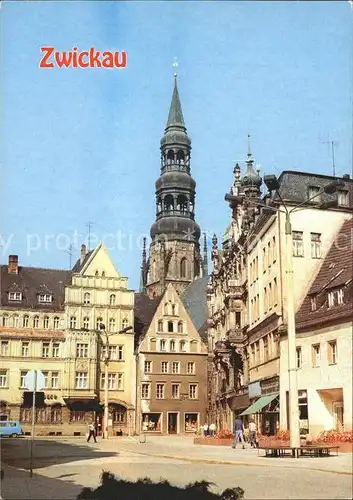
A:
(270, 386)
(254, 390)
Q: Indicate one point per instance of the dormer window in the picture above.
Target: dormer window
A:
(313, 192)
(15, 296)
(331, 299)
(342, 198)
(45, 298)
(313, 304)
(340, 297)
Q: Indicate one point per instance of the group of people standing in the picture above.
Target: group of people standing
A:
(208, 430)
(239, 431)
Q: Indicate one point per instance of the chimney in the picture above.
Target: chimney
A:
(83, 253)
(13, 264)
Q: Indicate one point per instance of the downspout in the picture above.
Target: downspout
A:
(280, 261)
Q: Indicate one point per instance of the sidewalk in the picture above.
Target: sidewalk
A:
(17, 485)
(183, 449)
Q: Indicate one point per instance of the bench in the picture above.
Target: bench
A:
(317, 450)
(278, 451)
(313, 450)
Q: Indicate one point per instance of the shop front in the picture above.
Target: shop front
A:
(264, 408)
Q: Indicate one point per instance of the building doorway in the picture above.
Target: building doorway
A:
(338, 416)
(172, 423)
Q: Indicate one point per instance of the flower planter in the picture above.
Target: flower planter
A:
(213, 441)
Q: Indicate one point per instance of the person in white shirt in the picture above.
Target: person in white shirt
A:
(205, 429)
(213, 429)
(252, 434)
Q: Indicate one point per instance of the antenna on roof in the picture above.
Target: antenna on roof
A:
(69, 251)
(333, 144)
(89, 225)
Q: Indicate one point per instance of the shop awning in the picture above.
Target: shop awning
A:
(83, 405)
(259, 404)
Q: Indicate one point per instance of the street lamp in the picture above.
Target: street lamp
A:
(100, 332)
(272, 184)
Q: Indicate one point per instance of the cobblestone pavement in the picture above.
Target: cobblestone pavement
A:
(62, 468)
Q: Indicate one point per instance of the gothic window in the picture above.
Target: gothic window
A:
(180, 327)
(183, 268)
(170, 327)
(166, 309)
(112, 299)
(173, 310)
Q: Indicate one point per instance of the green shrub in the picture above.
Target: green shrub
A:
(112, 488)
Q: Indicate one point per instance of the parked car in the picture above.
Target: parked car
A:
(10, 428)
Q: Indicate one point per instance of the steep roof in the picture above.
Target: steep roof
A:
(79, 265)
(195, 301)
(31, 281)
(144, 310)
(336, 272)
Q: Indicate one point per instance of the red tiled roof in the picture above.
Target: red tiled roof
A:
(336, 272)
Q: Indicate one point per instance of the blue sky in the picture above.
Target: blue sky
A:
(82, 145)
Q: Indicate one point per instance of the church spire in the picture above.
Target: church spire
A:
(175, 117)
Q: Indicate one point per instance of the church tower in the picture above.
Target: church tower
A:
(174, 254)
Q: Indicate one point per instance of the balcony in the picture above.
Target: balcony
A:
(236, 336)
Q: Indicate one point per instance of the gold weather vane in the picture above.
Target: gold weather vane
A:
(175, 66)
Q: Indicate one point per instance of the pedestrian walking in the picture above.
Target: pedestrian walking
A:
(252, 434)
(238, 432)
(205, 429)
(213, 430)
(91, 432)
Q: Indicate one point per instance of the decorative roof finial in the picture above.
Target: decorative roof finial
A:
(175, 66)
(249, 147)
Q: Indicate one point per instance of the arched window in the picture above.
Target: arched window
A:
(180, 327)
(182, 203)
(193, 346)
(111, 324)
(183, 268)
(46, 322)
(35, 321)
(112, 299)
(183, 346)
(15, 321)
(170, 327)
(103, 274)
(73, 322)
(25, 321)
(124, 323)
(86, 323)
(168, 202)
(173, 310)
(166, 309)
(99, 323)
(172, 345)
(56, 322)
(5, 320)
(87, 298)
(160, 325)
(170, 156)
(180, 157)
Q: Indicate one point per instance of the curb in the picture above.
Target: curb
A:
(211, 461)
